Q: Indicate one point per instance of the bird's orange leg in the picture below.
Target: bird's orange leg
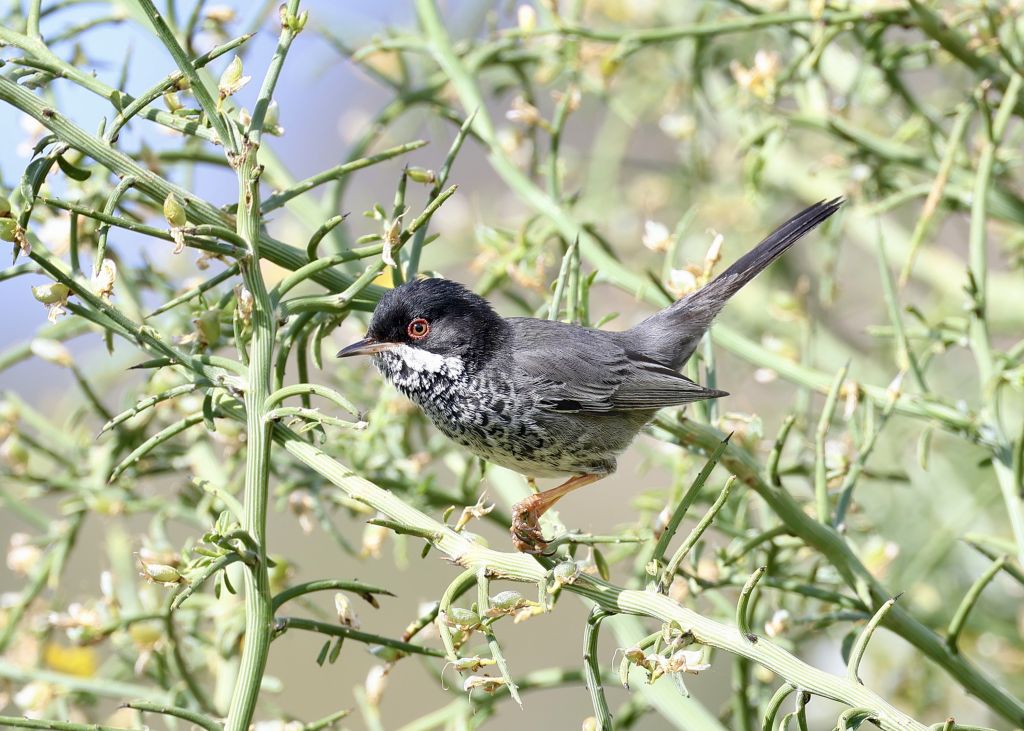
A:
(526, 533)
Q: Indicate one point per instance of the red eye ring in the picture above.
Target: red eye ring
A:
(418, 329)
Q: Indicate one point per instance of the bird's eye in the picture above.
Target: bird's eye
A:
(418, 328)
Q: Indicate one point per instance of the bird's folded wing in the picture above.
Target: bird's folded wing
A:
(572, 372)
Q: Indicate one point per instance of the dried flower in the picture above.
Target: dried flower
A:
(759, 79)
(656, 236)
(245, 303)
(479, 510)
(22, 555)
(219, 13)
(373, 540)
(300, 502)
(376, 682)
(34, 698)
(684, 661)
(392, 240)
(678, 126)
(682, 281)
(523, 112)
(52, 351)
(526, 18)
(777, 624)
(484, 682)
(103, 280)
(343, 608)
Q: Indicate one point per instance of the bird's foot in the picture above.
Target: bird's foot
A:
(526, 533)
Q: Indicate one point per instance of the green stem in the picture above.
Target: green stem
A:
(199, 89)
(183, 713)
(259, 614)
(366, 591)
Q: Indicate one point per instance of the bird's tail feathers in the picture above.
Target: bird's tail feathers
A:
(684, 322)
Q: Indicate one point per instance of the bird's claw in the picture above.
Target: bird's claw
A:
(526, 533)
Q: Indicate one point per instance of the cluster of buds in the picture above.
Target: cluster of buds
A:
(294, 22)
(82, 624)
(674, 659)
(759, 80)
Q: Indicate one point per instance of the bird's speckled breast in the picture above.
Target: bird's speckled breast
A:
(490, 418)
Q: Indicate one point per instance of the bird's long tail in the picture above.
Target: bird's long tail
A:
(673, 334)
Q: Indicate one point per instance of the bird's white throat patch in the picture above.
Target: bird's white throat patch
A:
(423, 361)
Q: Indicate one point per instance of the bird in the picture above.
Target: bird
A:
(547, 398)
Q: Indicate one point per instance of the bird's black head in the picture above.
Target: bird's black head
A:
(433, 316)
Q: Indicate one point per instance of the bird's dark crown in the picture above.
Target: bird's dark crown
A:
(461, 323)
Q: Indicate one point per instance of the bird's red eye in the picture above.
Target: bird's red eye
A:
(418, 328)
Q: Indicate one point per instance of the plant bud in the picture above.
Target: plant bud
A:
(160, 573)
(421, 175)
(8, 229)
(52, 351)
(5, 207)
(232, 79)
(566, 573)
(174, 211)
(272, 116)
(460, 618)
(51, 294)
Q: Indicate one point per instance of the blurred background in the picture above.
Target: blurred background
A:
(665, 149)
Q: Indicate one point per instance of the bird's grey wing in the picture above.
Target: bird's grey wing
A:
(651, 385)
(567, 369)
(572, 369)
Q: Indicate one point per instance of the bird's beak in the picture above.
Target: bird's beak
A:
(366, 346)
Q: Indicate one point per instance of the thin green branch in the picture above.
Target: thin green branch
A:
(196, 83)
